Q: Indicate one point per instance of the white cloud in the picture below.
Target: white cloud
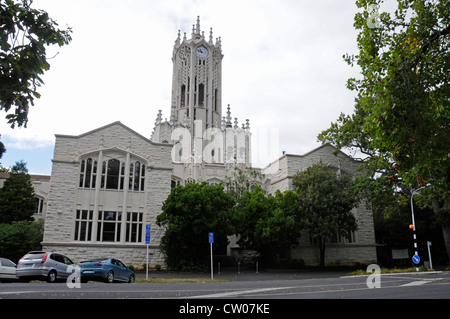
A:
(282, 69)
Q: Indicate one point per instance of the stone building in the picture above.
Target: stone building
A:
(107, 184)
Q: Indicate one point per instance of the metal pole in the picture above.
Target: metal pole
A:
(212, 276)
(414, 226)
(146, 272)
(414, 222)
(429, 254)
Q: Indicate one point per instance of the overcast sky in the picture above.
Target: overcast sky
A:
(282, 69)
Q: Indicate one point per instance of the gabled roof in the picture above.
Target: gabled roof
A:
(117, 123)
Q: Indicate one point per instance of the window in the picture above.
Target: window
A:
(108, 228)
(137, 177)
(114, 175)
(39, 205)
(183, 96)
(201, 94)
(83, 225)
(88, 173)
(134, 227)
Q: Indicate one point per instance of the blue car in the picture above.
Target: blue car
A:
(105, 269)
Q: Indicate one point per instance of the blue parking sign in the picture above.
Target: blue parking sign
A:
(211, 238)
(147, 234)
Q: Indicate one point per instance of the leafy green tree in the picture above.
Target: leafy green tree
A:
(189, 213)
(24, 34)
(326, 200)
(19, 237)
(269, 225)
(402, 113)
(17, 201)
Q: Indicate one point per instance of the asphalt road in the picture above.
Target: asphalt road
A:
(258, 292)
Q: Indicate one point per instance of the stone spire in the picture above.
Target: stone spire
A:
(229, 124)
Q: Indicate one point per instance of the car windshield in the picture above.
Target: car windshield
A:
(99, 260)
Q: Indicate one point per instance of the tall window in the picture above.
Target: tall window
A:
(137, 177)
(112, 174)
(108, 228)
(201, 94)
(183, 96)
(83, 225)
(134, 227)
(88, 173)
(39, 205)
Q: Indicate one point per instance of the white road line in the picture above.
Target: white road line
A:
(237, 293)
(416, 283)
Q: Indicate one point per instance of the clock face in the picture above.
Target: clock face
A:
(201, 52)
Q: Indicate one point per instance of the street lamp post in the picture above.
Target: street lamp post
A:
(413, 221)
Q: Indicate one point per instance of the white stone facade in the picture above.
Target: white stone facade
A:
(106, 214)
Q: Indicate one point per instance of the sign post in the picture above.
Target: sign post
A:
(211, 241)
(147, 243)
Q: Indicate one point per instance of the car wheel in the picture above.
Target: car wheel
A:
(132, 279)
(110, 277)
(51, 277)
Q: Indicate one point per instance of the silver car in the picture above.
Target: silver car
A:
(7, 270)
(44, 265)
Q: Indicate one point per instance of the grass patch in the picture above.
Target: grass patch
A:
(360, 272)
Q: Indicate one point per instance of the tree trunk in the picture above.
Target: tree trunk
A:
(446, 233)
(437, 207)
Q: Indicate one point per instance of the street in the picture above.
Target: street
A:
(434, 285)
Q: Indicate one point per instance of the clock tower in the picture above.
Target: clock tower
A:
(197, 79)
(206, 143)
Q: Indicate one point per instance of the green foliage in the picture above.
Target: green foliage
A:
(18, 238)
(270, 225)
(326, 200)
(24, 34)
(402, 113)
(189, 213)
(17, 201)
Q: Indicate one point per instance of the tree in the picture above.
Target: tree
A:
(402, 113)
(17, 201)
(24, 34)
(189, 213)
(242, 180)
(269, 225)
(326, 200)
(18, 238)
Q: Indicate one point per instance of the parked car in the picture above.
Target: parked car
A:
(47, 265)
(105, 269)
(7, 270)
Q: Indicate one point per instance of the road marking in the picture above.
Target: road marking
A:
(237, 293)
(416, 283)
